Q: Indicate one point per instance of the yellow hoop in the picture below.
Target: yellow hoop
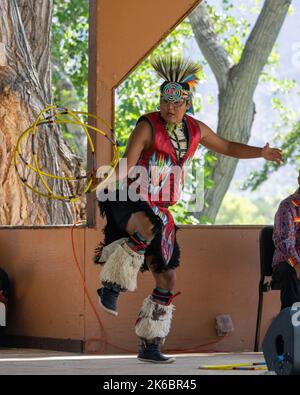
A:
(54, 119)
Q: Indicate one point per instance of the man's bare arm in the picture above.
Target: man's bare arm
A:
(217, 144)
(139, 140)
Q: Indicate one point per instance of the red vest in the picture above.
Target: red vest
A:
(165, 173)
(160, 188)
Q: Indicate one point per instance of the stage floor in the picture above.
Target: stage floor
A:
(44, 362)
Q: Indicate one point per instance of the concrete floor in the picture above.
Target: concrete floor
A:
(44, 362)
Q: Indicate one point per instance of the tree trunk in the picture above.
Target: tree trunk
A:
(235, 115)
(25, 89)
(67, 97)
(236, 85)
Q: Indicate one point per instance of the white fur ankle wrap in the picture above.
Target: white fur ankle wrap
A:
(154, 320)
(122, 266)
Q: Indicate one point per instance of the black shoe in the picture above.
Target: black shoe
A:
(108, 299)
(151, 353)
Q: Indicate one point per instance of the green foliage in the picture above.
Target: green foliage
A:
(70, 47)
(289, 144)
(182, 216)
(69, 56)
(239, 210)
(256, 7)
(289, 119)
(287, 130)
(139, 93)
(231, 31)
(232, 34)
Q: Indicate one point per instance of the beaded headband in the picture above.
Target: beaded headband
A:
(180, 77)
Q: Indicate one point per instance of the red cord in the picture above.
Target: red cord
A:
(103, 339)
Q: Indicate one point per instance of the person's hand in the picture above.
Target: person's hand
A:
(297, 268)
(272, 154)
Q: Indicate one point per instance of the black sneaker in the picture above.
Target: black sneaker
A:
(151, 353)
(108, 299)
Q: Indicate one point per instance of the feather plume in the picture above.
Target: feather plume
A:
(176, 69)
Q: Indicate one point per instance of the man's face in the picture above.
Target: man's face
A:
(173, 112)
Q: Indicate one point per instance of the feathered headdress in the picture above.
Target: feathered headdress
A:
(176, 69)
(180, 77)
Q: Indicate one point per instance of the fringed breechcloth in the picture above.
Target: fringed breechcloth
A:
(163, 248)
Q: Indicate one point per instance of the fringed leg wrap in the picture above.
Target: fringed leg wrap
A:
(154, 321)
(121, 267)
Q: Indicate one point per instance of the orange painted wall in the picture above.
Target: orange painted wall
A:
(219, 275)
(47, 296)
(220, 266)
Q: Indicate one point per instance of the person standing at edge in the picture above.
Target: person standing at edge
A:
(286, 258)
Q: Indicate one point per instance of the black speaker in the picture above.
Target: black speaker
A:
(281, 345)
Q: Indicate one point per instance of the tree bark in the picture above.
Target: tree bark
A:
(236, 84)
(70, 100)
(25, 89)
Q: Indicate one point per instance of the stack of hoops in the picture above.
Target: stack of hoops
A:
(57, 115)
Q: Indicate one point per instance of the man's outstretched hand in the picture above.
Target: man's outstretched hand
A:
(272, 154)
